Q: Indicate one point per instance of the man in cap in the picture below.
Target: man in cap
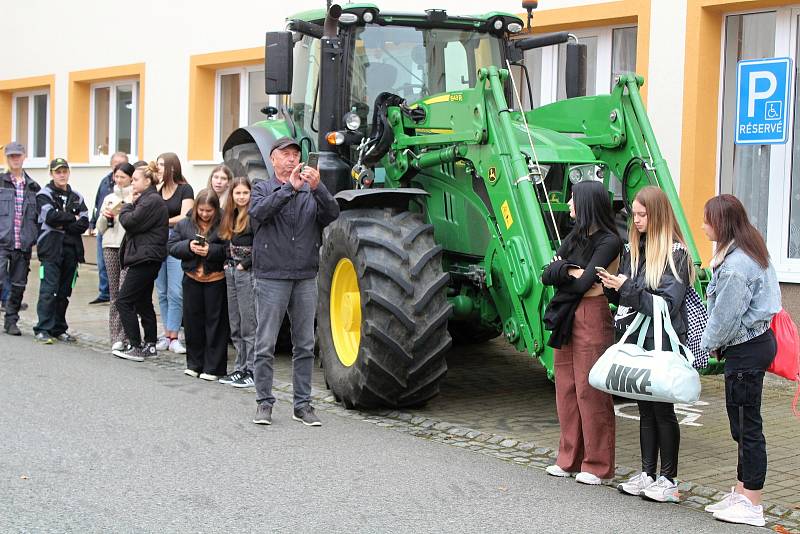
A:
(18, 231)
(64, 217)
(290, 210)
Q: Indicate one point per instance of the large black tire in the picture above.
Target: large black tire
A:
(470, 333)
(404, 309)
(247, 157)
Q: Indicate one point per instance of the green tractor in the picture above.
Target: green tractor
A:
(453, 197)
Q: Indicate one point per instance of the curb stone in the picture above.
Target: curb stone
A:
(526, 455)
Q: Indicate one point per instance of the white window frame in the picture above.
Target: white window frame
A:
(244, 100)
(786, 35)
(31, 161)
(605, 43)
(112, 119)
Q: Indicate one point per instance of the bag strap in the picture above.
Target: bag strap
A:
(637, 321)
(663, 323)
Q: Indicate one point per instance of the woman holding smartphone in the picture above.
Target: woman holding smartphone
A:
(656, 262)
(196, 242)
(581, 329)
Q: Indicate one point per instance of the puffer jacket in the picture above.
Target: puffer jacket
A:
(146, 223)
(634, 296)
(30, 225)
(63, 217)
(185, 232)
(742, 299)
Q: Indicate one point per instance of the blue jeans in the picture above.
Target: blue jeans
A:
(102, 287)
(170, 293)
(273, 299)
(6, 290)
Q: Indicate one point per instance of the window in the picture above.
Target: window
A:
(610, 51)
(239, 99)
(31, 122)
(114, 119)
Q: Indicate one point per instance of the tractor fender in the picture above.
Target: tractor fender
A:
(378, 198)
(262, 137)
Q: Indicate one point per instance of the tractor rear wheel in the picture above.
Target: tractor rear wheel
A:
(383, 309)
(247, 157)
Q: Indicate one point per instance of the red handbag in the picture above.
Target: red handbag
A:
(787, 358)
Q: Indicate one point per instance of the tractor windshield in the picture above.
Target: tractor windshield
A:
(415, 62)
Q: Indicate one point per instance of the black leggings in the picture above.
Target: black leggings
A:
(659, 431)
(135, 300)
(744, 381)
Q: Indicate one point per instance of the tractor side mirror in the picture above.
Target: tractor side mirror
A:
(278, 64)
(575, 75)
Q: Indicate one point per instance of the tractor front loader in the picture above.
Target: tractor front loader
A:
(453, 197)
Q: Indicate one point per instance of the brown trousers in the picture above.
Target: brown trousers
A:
(586, 415)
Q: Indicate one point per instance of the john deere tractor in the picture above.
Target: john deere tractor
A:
(453, 196)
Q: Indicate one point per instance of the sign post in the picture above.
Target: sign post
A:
(762, 101)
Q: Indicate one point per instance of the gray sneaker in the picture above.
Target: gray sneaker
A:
(263, 414)
(307, 416)
(245, 381)
(43, 338)
(129, 352)
(66, 338)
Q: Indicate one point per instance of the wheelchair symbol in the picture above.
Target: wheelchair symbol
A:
(690, 412)
(773, 110)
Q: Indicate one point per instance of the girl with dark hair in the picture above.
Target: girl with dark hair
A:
(237, 228)
(580, 325)
(113, 233)
(141, 253)
(197, 244)
(656, 262)
(743, 296)
(179, 198)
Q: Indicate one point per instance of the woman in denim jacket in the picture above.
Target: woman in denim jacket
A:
(743, 296)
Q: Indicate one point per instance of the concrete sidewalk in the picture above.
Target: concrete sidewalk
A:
(495, 390)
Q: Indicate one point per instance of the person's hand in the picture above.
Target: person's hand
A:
(108, 214)
(555, 259)
(200, 250)
(295, 178)
(611, 281)
(239, 267)
(310, 175)
(135, 196)
(576, 272)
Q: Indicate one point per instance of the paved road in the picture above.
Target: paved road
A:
(91, 443)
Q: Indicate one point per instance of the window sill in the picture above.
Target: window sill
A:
(89, 165)
(36, 164)
(205, 162)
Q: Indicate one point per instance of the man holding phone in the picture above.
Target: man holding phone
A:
(290, 210)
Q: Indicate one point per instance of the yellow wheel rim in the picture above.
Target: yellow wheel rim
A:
(345, 312)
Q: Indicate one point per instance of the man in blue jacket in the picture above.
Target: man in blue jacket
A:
(289, 212)
(18, 231)
(63, 216)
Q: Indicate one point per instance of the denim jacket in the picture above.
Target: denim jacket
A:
(742, 298)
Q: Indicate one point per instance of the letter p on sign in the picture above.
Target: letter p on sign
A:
(762, 97)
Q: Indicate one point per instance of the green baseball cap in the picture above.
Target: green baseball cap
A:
(58, 163)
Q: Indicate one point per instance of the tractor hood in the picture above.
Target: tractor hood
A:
(552, 146)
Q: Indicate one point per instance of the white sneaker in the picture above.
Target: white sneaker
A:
(556, 471)
(727, 501)
(662, 490)
(193, 374)
(162, 343)
(636, 484)
(588, 478)
(743, 512)
(177, 347)
(206, 376)
(118, 345)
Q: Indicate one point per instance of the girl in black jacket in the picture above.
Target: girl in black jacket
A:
(656, 262)
(196, 242)
(142, 251)
(581, 329)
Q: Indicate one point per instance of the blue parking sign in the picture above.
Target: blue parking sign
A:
(762, 89)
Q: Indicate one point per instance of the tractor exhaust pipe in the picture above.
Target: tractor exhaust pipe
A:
(331, 26)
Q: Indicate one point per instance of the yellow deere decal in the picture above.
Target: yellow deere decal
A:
(434, 130)
(437, 99)
(506, 214)
(492, 174)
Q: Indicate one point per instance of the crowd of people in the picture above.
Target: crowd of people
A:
(226, 264)
(233, 260)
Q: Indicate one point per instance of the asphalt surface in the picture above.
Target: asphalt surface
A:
(91, 443)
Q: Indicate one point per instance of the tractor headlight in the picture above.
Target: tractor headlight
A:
(514, 27)
(538, 172)
(352, 121)
(368, 17)
(587, 173)
(348, 18)
(498, 24)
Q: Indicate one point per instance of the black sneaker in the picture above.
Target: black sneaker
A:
(99, 300)
(245, 381)
(263, 414)
(307, 416)
(149, 350)
(43, 338)
(12, 329)
(233, 377)
(66, 338)
(129, 352)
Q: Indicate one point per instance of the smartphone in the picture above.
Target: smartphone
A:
(201, 239)
(602, 270)
(313, 159)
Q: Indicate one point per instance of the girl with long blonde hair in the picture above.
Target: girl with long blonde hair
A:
(656, 262)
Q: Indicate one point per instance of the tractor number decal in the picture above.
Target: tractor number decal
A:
(506, 214)
(492, 174)
(457, 97)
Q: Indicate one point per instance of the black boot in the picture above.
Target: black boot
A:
(12, 310)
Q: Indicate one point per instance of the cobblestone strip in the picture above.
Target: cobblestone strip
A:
(524, 454)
